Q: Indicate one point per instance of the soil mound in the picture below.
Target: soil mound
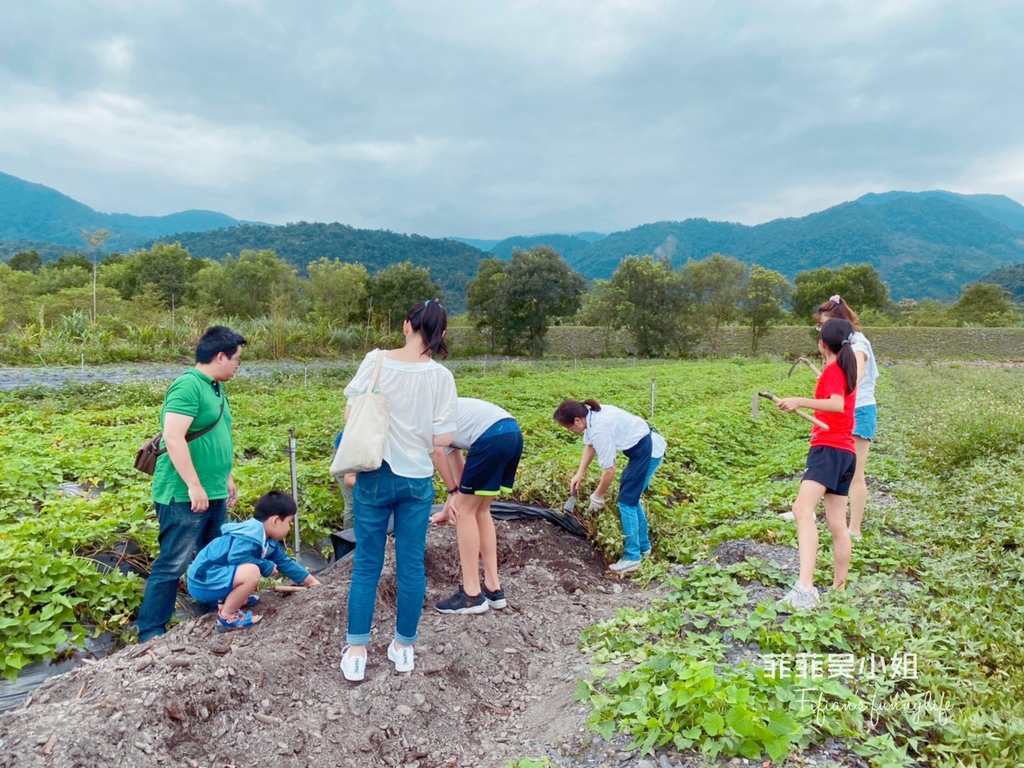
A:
(487, 688)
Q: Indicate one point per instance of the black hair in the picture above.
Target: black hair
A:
(274, 503)
(215, 340)
(431, 320)
(837, 335)
(570, 410)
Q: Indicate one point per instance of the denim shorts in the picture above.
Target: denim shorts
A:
(865, 422)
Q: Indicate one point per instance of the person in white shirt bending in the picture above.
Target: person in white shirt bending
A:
(607, 430)
(495, 445)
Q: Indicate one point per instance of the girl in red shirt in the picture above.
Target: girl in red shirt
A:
(830, 463)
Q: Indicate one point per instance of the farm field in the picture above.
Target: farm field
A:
(918, 663)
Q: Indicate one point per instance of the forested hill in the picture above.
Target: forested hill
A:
(1011, 278)
(451, 263)
(925, 245)
(33, 213)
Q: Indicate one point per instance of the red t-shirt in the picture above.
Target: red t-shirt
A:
(840, 425)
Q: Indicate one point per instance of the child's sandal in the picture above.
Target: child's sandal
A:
(252, 602)
(240, 621)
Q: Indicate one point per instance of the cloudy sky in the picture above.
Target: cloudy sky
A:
(489, 118)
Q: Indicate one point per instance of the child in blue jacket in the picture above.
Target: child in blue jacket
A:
(229, 568)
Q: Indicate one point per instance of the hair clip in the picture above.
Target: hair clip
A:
(836, 300)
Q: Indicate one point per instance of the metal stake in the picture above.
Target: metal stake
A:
(295, 485)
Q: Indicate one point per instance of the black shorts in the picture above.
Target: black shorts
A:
(493, 459)
(832, 467)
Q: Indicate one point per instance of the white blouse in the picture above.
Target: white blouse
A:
(423, 404)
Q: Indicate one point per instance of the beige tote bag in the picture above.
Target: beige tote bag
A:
(366, 429)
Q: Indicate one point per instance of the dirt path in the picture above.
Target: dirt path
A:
(486, 688)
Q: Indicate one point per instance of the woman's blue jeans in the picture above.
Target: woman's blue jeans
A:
(182, 534)
(634, 521)
(377, 495)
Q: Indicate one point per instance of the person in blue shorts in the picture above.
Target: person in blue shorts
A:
(865, 416)
(229, 568)
(495, 445)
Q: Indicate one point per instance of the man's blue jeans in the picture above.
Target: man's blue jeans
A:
(182, 534)
(377, 495)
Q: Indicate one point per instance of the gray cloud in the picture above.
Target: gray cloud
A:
(509, 117)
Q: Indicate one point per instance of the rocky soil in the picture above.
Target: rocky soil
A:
(487, 689)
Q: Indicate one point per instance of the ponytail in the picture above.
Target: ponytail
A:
(837, 335)
(570, 410)
(430, 319)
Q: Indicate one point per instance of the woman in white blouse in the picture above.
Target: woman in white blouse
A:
(423, 407)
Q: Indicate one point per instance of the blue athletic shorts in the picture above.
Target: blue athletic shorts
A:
(493, 459)
(211, 596)
(865, 422)
(832, 467)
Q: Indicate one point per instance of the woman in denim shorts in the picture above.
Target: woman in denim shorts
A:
(866, 413)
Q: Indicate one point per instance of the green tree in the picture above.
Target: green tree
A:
(540, 287)
(168, 268)
(716, 287)
(395, 289)
(72, 260)
(253, 284)
(645, 297)
(26, 261)
(860, 286)
(764, 305)
(986, 304)
(486, 299)
(929, 313)
(16, 291)
(54, 277)
(338, 291)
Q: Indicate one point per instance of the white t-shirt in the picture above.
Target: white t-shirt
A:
(612, 429)
(474, 418)
(423, 404)
(866, 386)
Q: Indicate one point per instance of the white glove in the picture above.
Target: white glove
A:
(596, 503)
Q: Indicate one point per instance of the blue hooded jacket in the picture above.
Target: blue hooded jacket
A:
(245, 542)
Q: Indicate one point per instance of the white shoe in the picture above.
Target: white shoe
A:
(799, 598)
(352, 667)
(786, 516)
(854, 536)
(624, 566)
(404, 658)
(646, 552)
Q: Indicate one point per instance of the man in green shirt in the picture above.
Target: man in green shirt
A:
(192, 485)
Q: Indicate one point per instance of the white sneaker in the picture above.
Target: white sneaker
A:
(799, 598)
(854, 536)
(352, 667)
(646, 552)
(786, 516)
(404, 658)
(624, 566)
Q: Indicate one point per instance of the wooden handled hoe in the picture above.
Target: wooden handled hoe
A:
(802, 414)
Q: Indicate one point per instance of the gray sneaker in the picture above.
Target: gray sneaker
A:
(799, 598)
(624, 566)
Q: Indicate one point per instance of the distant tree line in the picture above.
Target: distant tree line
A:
(667, 311)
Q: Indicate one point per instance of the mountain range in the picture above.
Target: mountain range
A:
(924, 244)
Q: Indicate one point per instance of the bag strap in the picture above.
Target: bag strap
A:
(196, 435)
(375, 376)
(204, 430)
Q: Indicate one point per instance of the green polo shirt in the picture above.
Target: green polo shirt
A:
(194, 394)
